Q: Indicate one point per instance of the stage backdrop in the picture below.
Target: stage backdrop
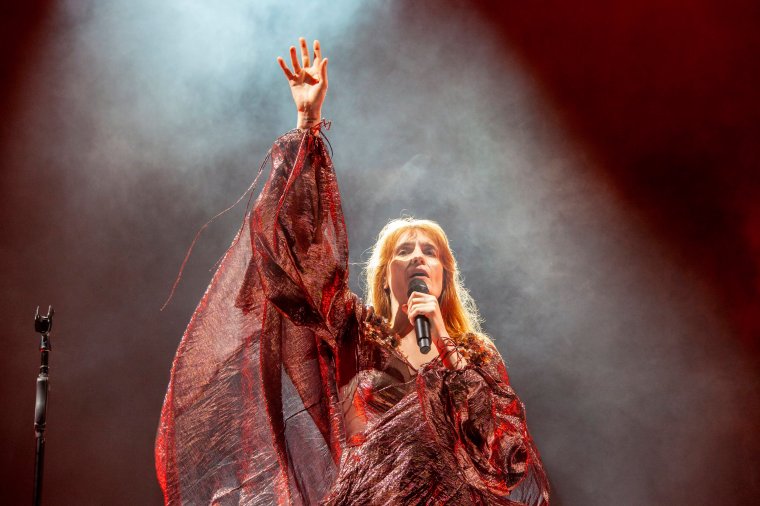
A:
(595, 165)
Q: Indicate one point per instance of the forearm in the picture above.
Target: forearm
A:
(299, 236)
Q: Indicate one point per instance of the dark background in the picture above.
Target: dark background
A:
(595, 165)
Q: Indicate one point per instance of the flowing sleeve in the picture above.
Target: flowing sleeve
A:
(476, 411)
(250, 414)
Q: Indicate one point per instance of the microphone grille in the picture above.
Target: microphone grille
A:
(417, 285)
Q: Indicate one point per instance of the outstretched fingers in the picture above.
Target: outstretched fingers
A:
(304, 53)
(288, 74)
(323, 72)
(320, 63)
(294, 60)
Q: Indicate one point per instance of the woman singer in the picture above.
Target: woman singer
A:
(288, 389)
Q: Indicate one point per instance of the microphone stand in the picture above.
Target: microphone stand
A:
(42, 325)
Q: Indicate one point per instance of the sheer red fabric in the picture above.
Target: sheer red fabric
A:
(285, 389)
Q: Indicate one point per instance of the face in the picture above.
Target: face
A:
(414, 255)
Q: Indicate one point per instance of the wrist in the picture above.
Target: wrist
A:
(308, 119)
(449, 353)
(452, 359)
(443, 343)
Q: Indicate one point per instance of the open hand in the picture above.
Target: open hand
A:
(308, 83)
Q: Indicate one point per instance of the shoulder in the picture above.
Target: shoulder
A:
(477, 348)
(480, 351)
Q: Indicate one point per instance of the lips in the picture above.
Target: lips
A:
(419, 274)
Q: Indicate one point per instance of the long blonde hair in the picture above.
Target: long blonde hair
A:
(460, 314)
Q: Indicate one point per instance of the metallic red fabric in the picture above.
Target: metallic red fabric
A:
(286, 390)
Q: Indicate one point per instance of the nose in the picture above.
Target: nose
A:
(417, 256)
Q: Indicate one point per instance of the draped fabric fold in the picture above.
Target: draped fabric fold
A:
(285, 389)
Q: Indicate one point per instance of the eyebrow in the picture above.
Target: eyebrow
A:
(410, 243)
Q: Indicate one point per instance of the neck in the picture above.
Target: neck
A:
(401, 325)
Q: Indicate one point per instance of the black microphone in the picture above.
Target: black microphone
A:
(421, 323)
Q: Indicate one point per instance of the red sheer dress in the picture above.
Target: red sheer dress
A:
(285, 389)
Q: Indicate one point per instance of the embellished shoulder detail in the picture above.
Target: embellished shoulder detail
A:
(376, 328)
(475, 349)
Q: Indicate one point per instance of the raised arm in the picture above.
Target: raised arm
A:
(277, 303)
(298, 234)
